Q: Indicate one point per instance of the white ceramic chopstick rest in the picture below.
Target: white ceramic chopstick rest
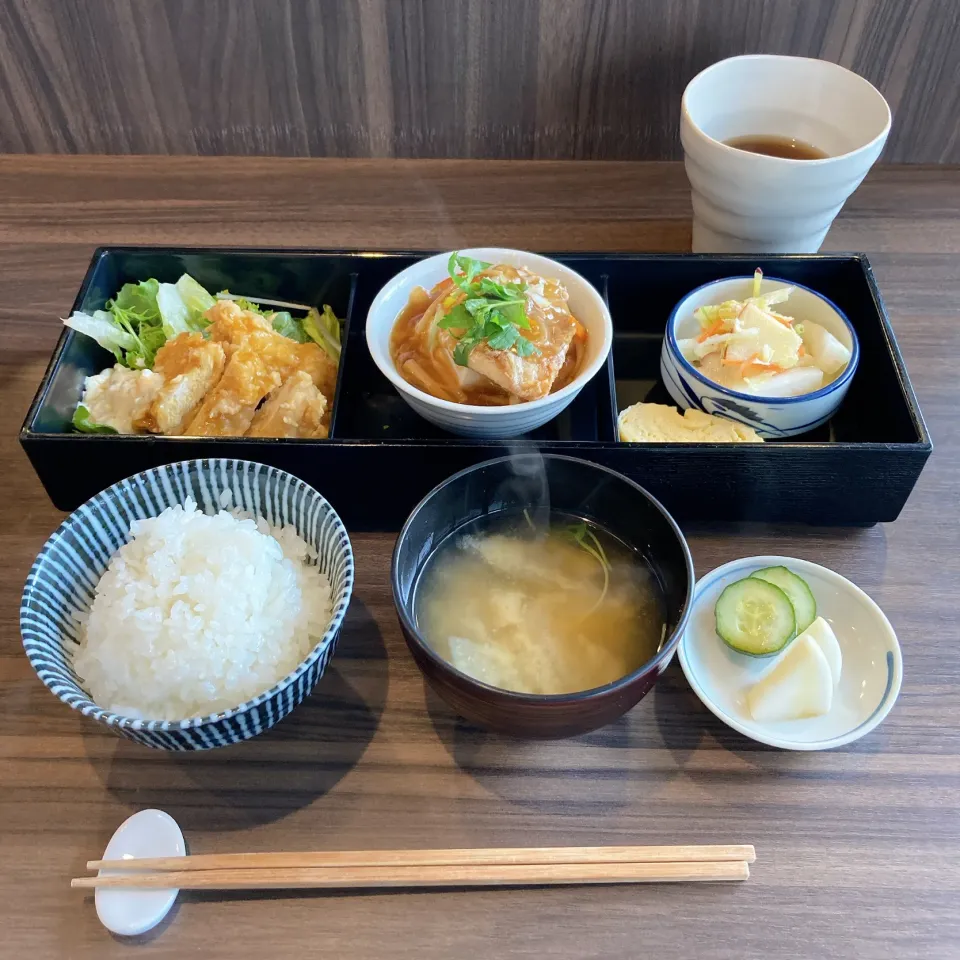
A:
(149, 833)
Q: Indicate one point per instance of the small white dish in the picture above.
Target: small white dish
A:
(872, 664)
(149, 833)
(772, 417)
(467, 420)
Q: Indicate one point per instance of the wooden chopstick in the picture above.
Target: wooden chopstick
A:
(466, 875)
(435, 858)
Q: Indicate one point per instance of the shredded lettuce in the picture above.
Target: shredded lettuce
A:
(196, 299)
(140, 319)
(137, 302)
(241, 302)
(767, 300)
(286, 326)
(324, 329)
(101, 327)
(83, 423)
(174, 315)
(135, 310)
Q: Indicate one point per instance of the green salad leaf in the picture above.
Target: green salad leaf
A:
(241, 302)
(137, 302)
(140, 319)
(83, 423)
(174, 313)
(135, 310)
(284, 324)
(197, 300)
(100, 326)
(324, 329)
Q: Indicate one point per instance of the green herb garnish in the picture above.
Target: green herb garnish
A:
(493, 313)
(586, 539)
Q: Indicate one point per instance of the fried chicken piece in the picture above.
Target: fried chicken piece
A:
(228, 409)
(289, 357)
(259, 360)
(190, 366)
(295, 409)
(229, 324)
(260, 364)
(321, 367)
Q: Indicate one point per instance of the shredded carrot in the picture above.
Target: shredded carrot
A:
(800, 351)
(740, 363)
(784, 320)
(714, 328)
(442, 287)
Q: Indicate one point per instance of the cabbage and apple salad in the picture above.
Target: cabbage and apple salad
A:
(747, 346)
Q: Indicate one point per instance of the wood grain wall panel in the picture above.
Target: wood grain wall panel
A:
(562, 79)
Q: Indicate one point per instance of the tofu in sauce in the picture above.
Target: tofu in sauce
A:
(425, 352)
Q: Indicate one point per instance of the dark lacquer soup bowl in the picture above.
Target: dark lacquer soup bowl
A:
(570, 487)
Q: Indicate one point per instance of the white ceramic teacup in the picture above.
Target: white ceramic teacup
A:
(750, 203)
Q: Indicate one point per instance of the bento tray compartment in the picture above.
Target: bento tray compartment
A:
(372, 409)
(381, 458)
(878, 405)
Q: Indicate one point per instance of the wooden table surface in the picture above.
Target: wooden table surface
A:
(857, 848)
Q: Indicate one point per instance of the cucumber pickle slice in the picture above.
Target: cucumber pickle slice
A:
(804, 604)
(755, 617)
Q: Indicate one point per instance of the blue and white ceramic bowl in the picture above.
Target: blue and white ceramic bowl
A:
(772, 417)
(64, 577)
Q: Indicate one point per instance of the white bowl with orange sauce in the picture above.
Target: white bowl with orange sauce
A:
(473, 420)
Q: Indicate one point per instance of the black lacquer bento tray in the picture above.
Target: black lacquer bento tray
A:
(381, 457)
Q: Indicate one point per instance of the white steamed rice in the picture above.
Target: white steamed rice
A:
(199, 613)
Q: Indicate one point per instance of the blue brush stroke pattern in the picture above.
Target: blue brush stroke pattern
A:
(64, 577)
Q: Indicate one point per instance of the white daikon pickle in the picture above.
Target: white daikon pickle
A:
(782, 341)
(829, 353)
(688, 348)
(790, 383)
(826, 640)
(799, 684)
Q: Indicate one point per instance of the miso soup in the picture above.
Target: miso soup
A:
(540, 607)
